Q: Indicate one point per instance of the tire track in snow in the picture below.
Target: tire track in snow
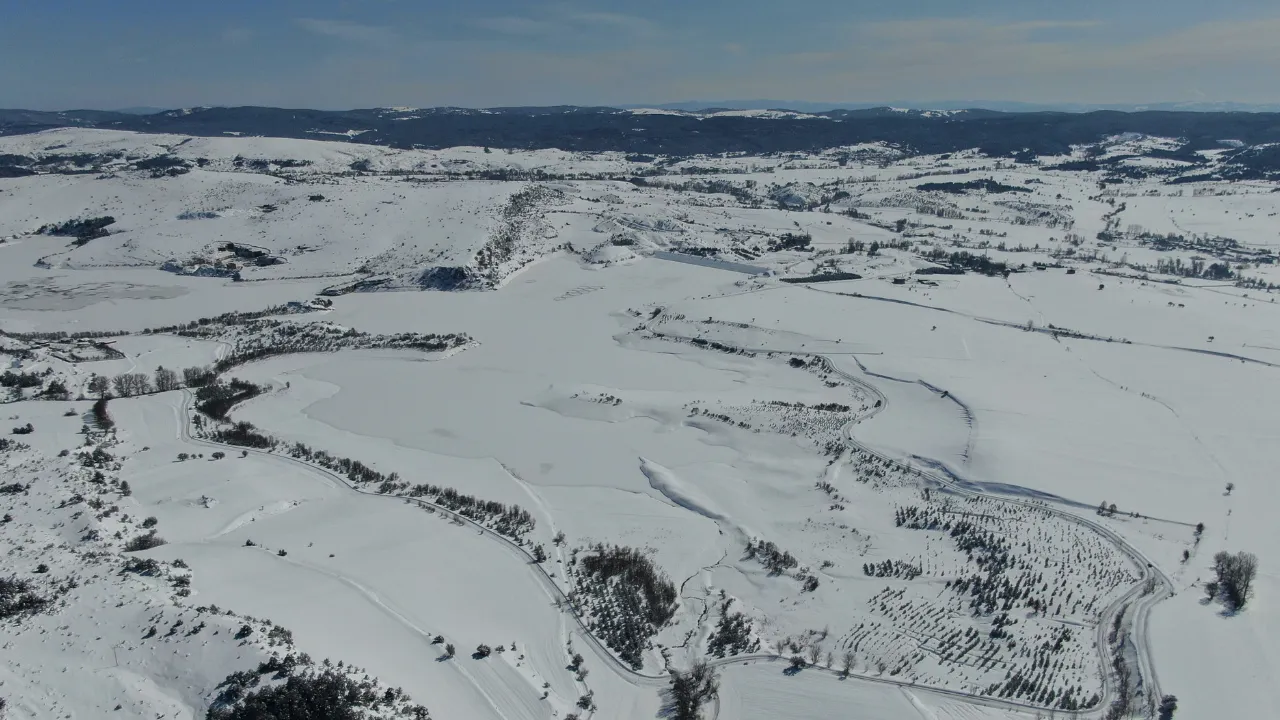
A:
(1056, 332)
(554, 592)
(373, 598)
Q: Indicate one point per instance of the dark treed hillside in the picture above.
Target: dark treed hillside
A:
(603, 129)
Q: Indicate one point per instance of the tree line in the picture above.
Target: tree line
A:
(136, 383)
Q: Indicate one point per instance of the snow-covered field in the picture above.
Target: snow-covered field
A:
(610, 419)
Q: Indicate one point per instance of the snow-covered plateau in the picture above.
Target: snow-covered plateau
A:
(506, 434)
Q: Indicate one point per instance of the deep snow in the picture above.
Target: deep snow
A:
(682, 408)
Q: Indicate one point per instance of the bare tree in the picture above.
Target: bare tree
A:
(1235, 576)
(846, 663)
(815, 653)
(779, 645)
(197, 376)
(130, 384)
(99, 385)
(166, 379)
(1211, 590)
(690, 689)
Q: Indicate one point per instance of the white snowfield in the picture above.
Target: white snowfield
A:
(874, 494)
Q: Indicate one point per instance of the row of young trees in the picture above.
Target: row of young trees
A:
(164, 380)
(216, 399)
(511, 521)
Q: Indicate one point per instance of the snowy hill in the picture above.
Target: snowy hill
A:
(529, 433)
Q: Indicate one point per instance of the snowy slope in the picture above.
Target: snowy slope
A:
(896, 466)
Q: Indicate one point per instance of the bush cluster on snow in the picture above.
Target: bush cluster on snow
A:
(308, 694)
(733, 634)
(217, 398)
(1235, 573)
(145, 541)
(19, 597)
(773, 558)
(690, 689)
(83, 230)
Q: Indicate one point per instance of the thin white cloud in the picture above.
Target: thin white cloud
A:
(346, 30)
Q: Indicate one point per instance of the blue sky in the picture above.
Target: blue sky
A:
(59, 54)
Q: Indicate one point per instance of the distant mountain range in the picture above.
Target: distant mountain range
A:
(142, 110)
(998, 105)
(808, 106)
(680, 132)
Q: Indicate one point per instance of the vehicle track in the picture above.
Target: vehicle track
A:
(1044, 330)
